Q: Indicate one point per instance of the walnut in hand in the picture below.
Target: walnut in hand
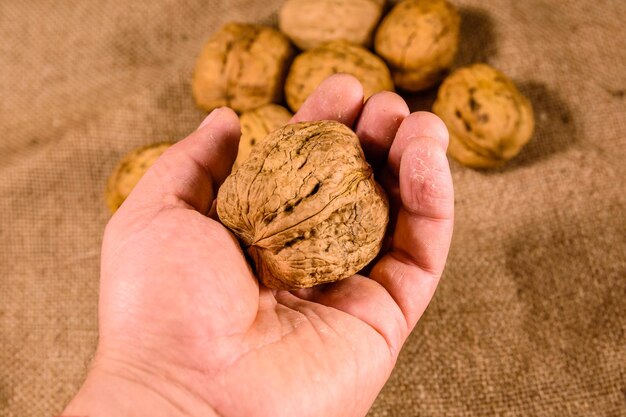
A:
(305, 206)
(241, 66)
(311, 23)
(419, 39)
(312, 67)
(488, 118)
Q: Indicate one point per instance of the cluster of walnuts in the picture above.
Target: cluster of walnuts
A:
(410, 48)
(244, 66)
(301, 198)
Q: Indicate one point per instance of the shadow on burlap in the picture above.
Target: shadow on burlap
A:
(530, 315)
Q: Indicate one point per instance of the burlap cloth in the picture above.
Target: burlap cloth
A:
(530, 315)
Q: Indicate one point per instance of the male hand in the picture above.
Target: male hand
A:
(185, 327)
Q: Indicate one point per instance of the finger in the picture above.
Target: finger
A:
(411, 269)
(191, 171)
(378, 124)
(339, 97)
(419, 124)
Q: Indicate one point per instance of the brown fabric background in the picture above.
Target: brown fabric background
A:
(530, 317)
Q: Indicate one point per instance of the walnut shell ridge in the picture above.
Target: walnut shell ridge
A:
(241, 66)
(256, 124)
(311, 23)
(489, 120)
(419, 39)
(312, 67)
(305, 206)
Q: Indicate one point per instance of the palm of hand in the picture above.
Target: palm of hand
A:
(179, 304)
(290, 352)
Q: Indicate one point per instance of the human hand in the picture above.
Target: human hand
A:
(185, 328)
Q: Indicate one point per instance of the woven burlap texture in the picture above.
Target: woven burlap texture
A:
(530, 316)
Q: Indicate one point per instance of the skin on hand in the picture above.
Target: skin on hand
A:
(185, 328)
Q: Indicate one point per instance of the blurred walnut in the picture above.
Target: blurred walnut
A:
(488, 118)
(419, 39)
(310, 68)
(241, 66)
(305, 206)
(310, 23)
(256, 124)
(129, 171)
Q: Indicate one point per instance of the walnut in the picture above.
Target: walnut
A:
(310, 23)
(488, 118)
(418, 39)
(310, 68)
(305, 206)
(256, 124)
(129, 171)
(241, 66)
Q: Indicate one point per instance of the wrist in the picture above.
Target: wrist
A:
(125, 392)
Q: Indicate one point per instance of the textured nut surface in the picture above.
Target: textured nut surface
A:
(310, 68)
(256, 124)
(241, 66)
(305, 206)
(129, 171)
(488, 118)
(311, 23)
(419, 39)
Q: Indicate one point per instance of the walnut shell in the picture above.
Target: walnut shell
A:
(256, 124)
(488, 118)
(129, 171)
(305, 206)
(419, 39)
(241, 66)
(311, 23)
(310, 68)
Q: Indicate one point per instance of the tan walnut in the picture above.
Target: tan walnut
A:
(310, 23)
(256, 124)
(488, 118)
(310, 68)
(305, 206)
(419, 39)
(129, 171)
(241, 66)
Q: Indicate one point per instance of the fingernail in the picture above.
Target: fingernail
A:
(209, 118)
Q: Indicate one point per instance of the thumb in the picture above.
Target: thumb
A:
(190, 172)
